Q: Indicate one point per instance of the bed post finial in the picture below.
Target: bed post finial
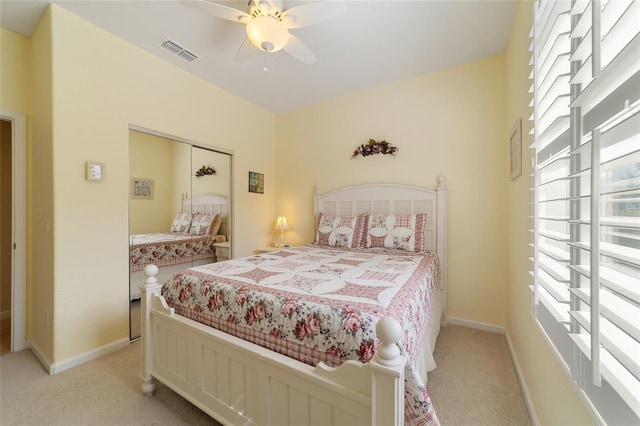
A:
(150, 271)
(442, 182)
(317, 188)
(388, 375)
(389, 332)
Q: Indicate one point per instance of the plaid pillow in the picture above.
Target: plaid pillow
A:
(403, 232)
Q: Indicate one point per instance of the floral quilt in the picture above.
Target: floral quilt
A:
(315, 303)
(170, 248)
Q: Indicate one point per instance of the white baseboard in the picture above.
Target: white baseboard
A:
(476, 324)
(5, 315)
(523, 384)
(59, 367)
(44, 361)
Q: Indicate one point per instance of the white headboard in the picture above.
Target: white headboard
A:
(394, 199)
(209, 204)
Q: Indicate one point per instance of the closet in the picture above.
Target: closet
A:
(174, 183)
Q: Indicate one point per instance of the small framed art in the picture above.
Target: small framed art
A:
(141, 188)
(515, 150)
(95, 171)
(256, 182)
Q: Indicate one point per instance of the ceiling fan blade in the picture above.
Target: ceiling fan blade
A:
(218, 10)
(312, 13)
(298, 50)
(245, 51)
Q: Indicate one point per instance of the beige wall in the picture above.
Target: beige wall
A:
(95, 98)
(152, 157)
(218, 184)
(447, 123)
(555, 399)
(15, 74)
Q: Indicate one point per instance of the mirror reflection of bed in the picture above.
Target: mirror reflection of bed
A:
(186, 212)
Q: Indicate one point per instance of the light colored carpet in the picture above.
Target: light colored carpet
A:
(105, 391)
(474, 384)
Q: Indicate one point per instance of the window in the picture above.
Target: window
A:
(586, 215)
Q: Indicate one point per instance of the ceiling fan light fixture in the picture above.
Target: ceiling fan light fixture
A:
(267, 33)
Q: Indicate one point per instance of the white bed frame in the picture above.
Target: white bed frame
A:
(203, 203)
(209, 204)
(237, 382)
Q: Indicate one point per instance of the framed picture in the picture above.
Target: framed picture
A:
(141, 188)
(515, 150)
(95, 171)
(256, 182)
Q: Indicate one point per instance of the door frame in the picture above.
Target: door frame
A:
(19, 228)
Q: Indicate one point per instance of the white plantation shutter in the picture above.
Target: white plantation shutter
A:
(586, 126)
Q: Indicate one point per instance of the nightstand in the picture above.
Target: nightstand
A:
(222, 251)
(267, 249)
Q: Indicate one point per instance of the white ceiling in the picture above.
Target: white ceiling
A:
(373, 43)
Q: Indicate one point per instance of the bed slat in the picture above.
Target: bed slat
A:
(320, 412)
(298, 407)
(279, 403)
(194, 360)
(252, 392)
(222, 378)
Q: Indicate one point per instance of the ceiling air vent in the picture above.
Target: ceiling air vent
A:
(176, 49)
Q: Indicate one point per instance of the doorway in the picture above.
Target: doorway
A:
(13, 230)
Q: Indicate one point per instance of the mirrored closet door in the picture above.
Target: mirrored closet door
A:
(179, 209)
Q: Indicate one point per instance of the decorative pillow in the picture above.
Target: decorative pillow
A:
(403, 232)
(181, 223)
(201, 224)
(215, 225)
(360, 233)
(338, 231)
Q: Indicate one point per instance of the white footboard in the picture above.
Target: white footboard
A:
(237, 382)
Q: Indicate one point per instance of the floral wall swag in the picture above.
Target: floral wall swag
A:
(205, 171)
(374, 147)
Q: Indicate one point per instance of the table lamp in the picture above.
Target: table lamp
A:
(282, 225)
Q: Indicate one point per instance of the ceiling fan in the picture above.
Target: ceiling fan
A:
(268, 23)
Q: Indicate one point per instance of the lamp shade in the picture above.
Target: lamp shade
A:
(267, 33)
(281, 224)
